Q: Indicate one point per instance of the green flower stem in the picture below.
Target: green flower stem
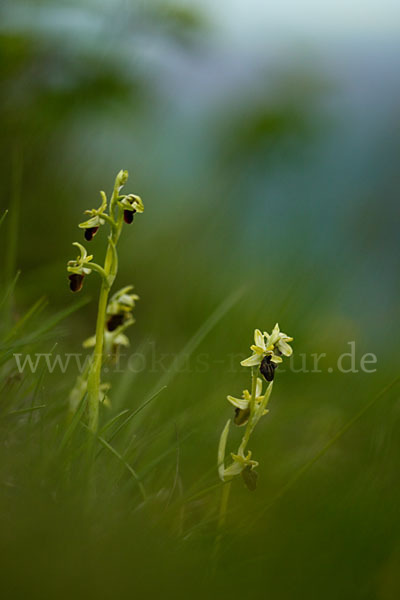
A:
(253, 389)
(223, 507)
(95, 371)
(109, 220)
(109, 273)
(115, 196)
(97, 268)
(250, 422)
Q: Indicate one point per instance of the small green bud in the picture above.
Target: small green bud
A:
(122, 178)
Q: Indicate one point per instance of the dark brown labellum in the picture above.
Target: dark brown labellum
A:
(90, 233)
(75, 282)
(250, 478)
(128, 216)
(241, 416)
(267, 368)
(114, 321)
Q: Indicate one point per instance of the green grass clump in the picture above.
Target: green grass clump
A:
(121, 496)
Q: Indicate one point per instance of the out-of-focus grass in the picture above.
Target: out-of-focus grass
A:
(269, 188)
(53, 525)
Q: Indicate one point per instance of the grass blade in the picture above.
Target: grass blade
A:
(135, 412)
(13, 224)
(73, 424)
(323, 450)
(47, 326)
(125, 463)
(5, 213)
(10, 288)
(22, 411)
(198, 337)
(34, 310)
(113, 420)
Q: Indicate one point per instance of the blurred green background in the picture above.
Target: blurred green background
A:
(264, 140)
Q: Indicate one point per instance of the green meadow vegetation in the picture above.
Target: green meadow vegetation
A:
(145, 450)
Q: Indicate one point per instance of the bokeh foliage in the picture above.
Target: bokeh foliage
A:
(271, 194)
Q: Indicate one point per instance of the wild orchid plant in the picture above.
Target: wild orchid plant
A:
(268, 350)
(114, 316)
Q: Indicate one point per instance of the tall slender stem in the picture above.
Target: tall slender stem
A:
(95, 371)
(110, 267)
(223, 507)
(250, 424)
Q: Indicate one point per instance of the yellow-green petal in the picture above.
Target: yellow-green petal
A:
(259, 338)
(240, 403)
(276, 359)
(252, 361)
(259, 387)
(284, 348)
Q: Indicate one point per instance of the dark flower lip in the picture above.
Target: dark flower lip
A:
(128, 216)
(90, 233)
(241, 416)
(250, 478)
(114, 321)
(267, 368)
(75, 282)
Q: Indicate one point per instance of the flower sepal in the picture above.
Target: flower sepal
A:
(95, 221)
(78, 268)
(242, 405)
(279, 341)
(113, 341)
(82, 266)
(97, 218)
(119, 309)
(240, 462)
(130, 204)
(267, 351)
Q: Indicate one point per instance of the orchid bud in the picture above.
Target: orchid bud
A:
(121, 178)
